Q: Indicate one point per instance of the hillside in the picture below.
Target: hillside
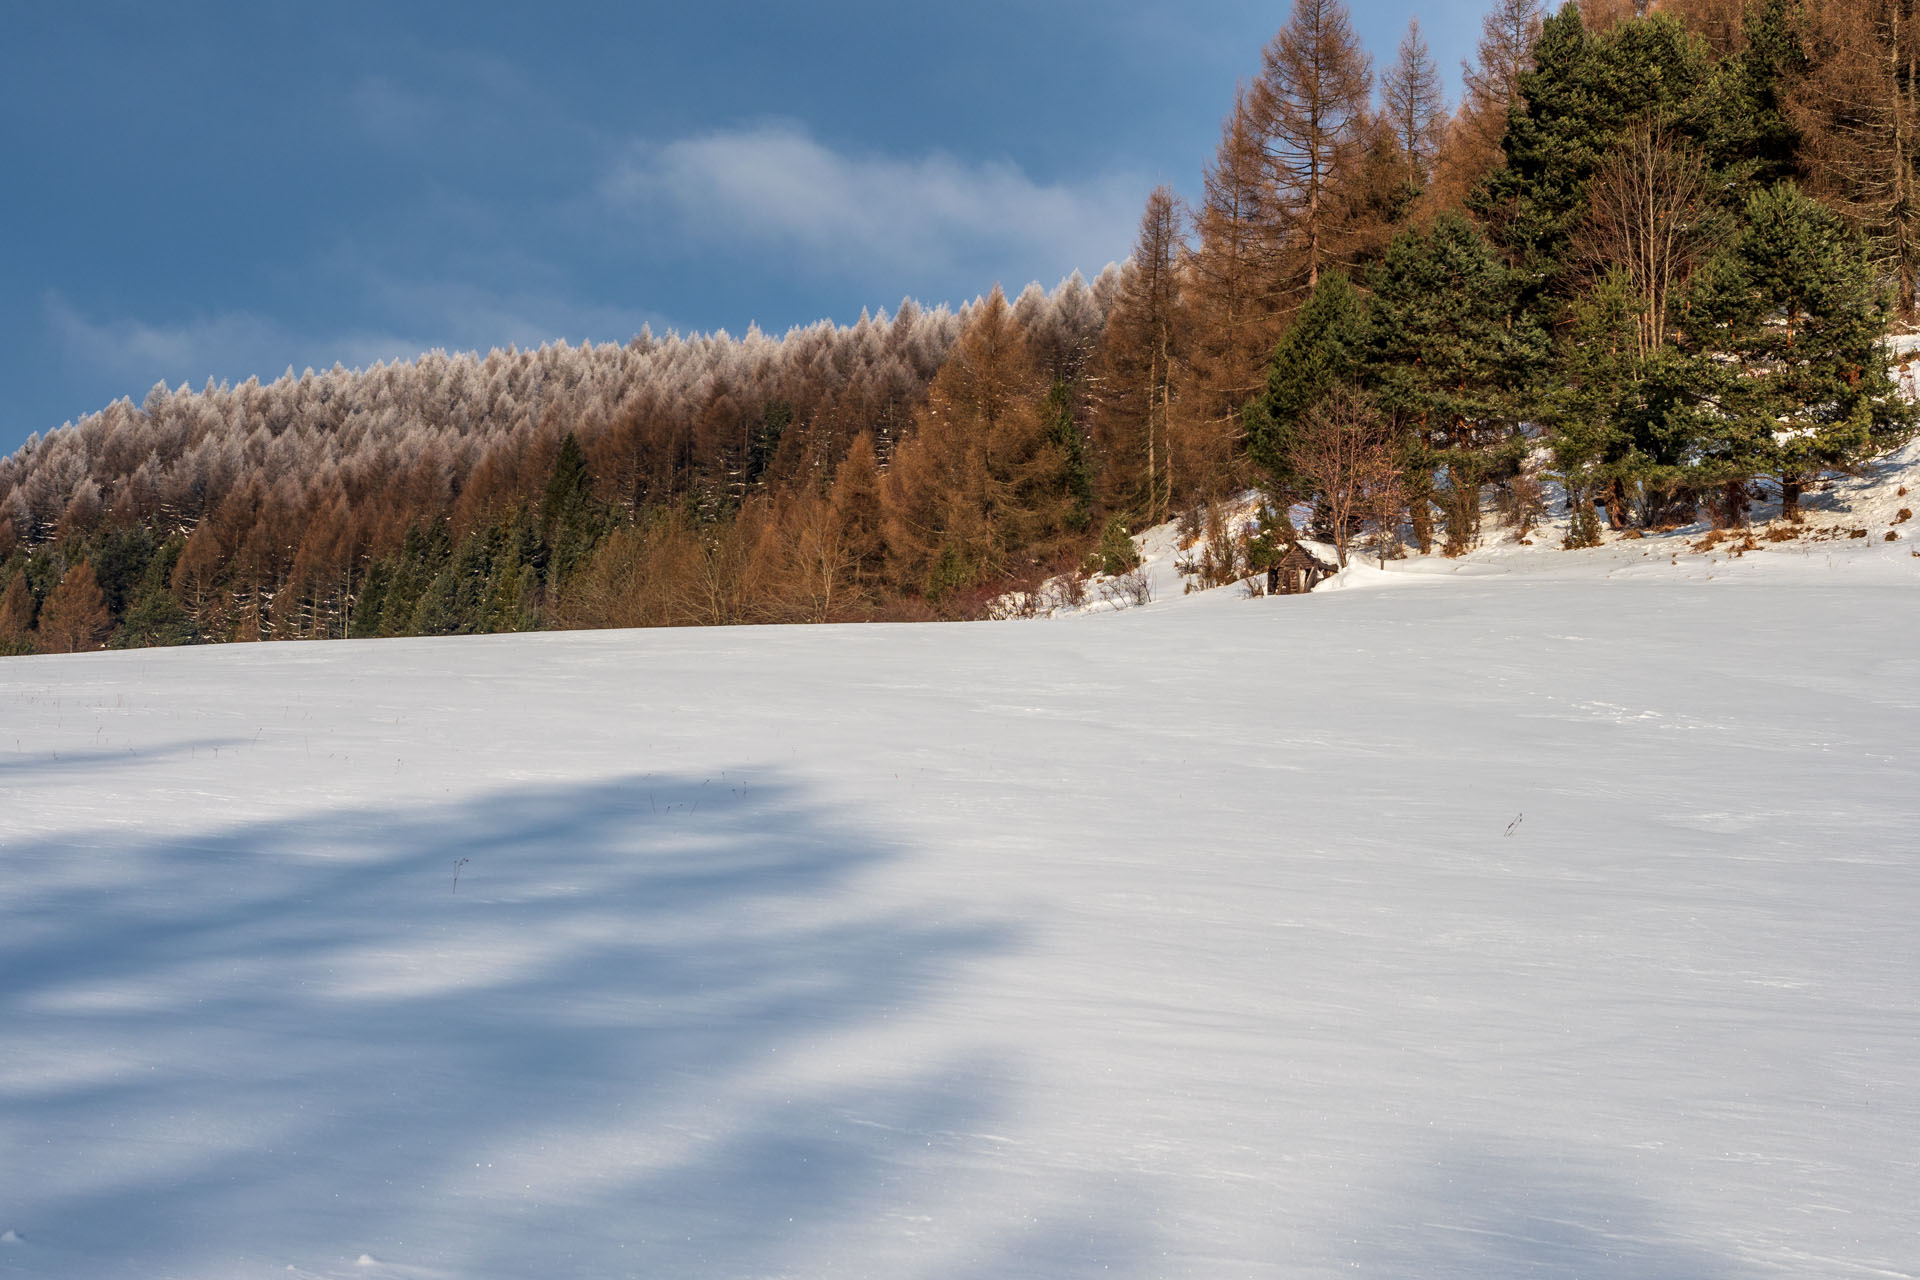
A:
(1542, 915)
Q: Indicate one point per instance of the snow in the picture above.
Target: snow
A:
(1538, 913)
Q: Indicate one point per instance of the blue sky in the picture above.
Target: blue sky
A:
(221, 190)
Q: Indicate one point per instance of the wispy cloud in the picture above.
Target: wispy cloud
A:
(228, 345)
(235, 345)
(776, 186)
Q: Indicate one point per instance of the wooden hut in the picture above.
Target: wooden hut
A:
(1300, 570)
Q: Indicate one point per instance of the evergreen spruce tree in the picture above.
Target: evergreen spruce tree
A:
(1784, 332)
(1324, 349)
(153, 614)
(1452, 354)
(1584, 92)
(1076, 469)
(1587, 405)
(568, 516)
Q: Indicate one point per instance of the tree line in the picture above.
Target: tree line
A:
(1647, 263)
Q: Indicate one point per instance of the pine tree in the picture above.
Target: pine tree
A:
(1784, 329)
(1751, 134)
(1588, 403)
(1076, 469)
(153, 614)
(74, 618)
(1325, 349)
(1451, 357)
(1583, 95)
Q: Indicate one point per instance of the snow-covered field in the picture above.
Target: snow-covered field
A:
(1534, 915)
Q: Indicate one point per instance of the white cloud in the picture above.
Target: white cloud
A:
(776, 186)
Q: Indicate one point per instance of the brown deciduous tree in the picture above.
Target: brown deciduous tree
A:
(1721, 22)
(980, 481)
(1472, 150)
(1233, 306)
(1309, 108)
(16, 612)
(1858, 111)
(857, 511)
(1137, 367)
(1415, 106)
(1344, 448)
(74, 618)
(1653, 217)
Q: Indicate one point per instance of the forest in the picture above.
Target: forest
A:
(1644, 267)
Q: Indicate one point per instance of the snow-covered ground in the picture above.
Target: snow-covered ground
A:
(1535, 914)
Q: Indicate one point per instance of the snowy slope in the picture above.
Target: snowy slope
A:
(1521, 916)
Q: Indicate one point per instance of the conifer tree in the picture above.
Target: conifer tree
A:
(1720, 22)
(1140, 354)
(1325, 349)
(1588, 404)
(1310, 107)
(1451, 354)
(74, 618)
(1784, 329)
(1233, 312)
(17, 608)
(1752, 133)
(983, 481)
(153, 614)
(1414, 106)
(1584, 93)
(857, 511)
(1472, 146)
(567, 510)
(1857, 108)
(1076, 468)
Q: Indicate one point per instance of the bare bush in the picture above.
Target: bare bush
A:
(1128, 590)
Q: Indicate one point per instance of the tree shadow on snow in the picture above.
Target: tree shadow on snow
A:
(1495, 1211)
(632, 1030)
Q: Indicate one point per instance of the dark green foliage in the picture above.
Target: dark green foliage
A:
(1590, 400)
(1064, 434)
(951, 573)
(44, 571)
(1269, 539)
(153, 615)
(1748, 134)
(396, 585)
(1584, 92)
(765, 442)
(488, 586)
(120, 558)
(1450, 361)
(1326, 347)
(1116, 553)
(1785, 372)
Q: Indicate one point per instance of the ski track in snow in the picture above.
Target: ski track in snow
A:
(1537, 915)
